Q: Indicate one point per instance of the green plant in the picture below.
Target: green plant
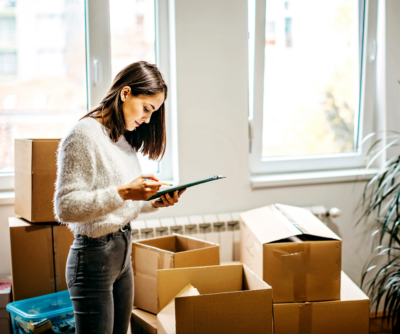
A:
(380, 206)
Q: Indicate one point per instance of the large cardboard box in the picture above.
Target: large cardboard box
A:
(349, 315)
(232, 300)
(304, 268)
(32, 263)
(35, 178)
(38, 257)
(176, 251)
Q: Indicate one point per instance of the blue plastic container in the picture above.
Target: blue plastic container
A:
(51, 313)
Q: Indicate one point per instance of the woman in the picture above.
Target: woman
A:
(100, 189)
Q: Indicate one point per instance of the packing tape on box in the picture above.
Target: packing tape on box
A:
(305, 318)
(290, 219)
(297, 263)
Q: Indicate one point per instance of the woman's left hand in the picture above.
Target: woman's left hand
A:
(167, 200)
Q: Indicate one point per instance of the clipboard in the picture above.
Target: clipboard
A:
(183, 186)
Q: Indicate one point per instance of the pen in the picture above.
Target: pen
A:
(163, 183)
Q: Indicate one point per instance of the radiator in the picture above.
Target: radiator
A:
(221, 228)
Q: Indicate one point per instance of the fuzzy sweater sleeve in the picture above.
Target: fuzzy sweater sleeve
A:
(147, 207)
(77, 198)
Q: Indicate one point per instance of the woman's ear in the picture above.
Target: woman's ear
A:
(125, 92)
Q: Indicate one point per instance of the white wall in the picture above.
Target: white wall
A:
(211, 38)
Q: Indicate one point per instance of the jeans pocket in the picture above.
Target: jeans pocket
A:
(72, 266)
(100, 243)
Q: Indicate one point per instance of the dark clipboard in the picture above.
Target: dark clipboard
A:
(183, 186)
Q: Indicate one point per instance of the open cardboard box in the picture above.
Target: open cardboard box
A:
(349, 315)
(176, 251)
(232, 299)
(35, 178)
(304, 270)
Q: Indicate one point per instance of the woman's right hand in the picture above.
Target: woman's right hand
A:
(140, 189)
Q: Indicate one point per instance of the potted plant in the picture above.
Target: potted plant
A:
(380, 205)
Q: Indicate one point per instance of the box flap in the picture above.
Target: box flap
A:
(307, 222)
(277, 222)
(166, 317)
(146, 320)
(232, 312)
(212, 279)
(268, 224)
(161, 243)
(185, 243)
(201, 257)
(44, 156)
(251, 281)
(177, 243)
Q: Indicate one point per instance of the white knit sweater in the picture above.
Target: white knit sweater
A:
(90, 168)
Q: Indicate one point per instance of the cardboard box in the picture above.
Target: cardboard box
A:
(143, 322)
(307, 270)
(232, 300)
(350, 315)
(176, 251)
(35, 178)
(32, 263)
(38, 258)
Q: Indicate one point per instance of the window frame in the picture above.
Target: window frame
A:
(291, 164)
(98, 62)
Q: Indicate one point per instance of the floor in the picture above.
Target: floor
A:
(377, 326)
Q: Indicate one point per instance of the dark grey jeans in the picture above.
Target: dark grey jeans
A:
(100, 282)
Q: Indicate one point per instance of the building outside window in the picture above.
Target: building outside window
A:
(43, 87)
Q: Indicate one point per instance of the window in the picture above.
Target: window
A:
(58, 59)
(312, 92)
(42, 71)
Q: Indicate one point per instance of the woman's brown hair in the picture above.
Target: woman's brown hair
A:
(143, 79)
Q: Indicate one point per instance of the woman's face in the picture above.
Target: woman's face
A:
(138, 109)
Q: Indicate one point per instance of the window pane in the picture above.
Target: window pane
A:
(311, 83)
(42, 71)
(132, 25)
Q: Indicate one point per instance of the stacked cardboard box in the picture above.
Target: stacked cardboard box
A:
(39, 246)
(35, 178)
(179, 280)
(295, 253)
(38, 257)
(5, 298)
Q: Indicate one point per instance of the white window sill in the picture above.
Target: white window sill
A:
(7, 197)
(309, 178)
